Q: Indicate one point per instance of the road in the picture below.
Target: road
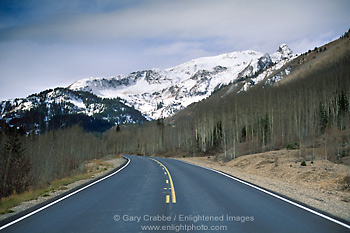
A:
(166, 195)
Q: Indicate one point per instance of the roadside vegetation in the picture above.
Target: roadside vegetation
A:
(87, 171)
(31, 164)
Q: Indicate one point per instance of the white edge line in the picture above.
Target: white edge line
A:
(62, 198)
(274, 195)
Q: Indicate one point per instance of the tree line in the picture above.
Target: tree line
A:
(35, 160)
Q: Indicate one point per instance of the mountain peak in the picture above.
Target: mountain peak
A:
(283, 52)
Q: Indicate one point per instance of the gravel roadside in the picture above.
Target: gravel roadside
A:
(318, 185)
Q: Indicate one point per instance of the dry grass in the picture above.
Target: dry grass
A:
(289, 166)
(90, 169)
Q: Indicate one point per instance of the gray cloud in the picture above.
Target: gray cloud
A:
(61, 41)
(242, 22)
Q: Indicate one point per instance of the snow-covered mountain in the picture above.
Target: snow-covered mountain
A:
(99, 103)
(160, 93)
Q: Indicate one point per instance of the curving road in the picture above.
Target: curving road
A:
(166, 195)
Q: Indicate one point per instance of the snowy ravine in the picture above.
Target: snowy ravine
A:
(160, 93)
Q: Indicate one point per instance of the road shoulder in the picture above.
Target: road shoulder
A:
(315, 194)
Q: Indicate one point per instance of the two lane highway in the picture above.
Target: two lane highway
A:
(166, 195)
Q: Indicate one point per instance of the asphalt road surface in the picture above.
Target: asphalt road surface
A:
(166, 195)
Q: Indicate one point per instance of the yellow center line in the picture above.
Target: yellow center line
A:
(173, 197)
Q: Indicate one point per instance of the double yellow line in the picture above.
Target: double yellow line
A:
(173, 196)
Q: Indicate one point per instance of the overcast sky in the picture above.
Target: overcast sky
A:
(50, 43)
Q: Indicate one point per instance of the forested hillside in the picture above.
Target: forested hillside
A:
(309, 107)
(60, 107)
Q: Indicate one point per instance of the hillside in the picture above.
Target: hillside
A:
(310, 63)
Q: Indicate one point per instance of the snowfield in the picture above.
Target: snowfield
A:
(160, 93)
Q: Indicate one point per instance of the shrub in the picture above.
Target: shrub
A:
(346, 183)
(293, 147)
(289, 147)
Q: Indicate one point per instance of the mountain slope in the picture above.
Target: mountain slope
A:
(321, 61)
(63, 107)
(160, 93)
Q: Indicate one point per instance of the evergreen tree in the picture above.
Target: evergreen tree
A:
(14, 165)
(343, 109)
(324, 118)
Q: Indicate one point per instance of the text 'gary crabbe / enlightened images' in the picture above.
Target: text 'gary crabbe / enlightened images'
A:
(182, 218)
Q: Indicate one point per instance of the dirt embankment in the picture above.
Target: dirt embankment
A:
(321, 184)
